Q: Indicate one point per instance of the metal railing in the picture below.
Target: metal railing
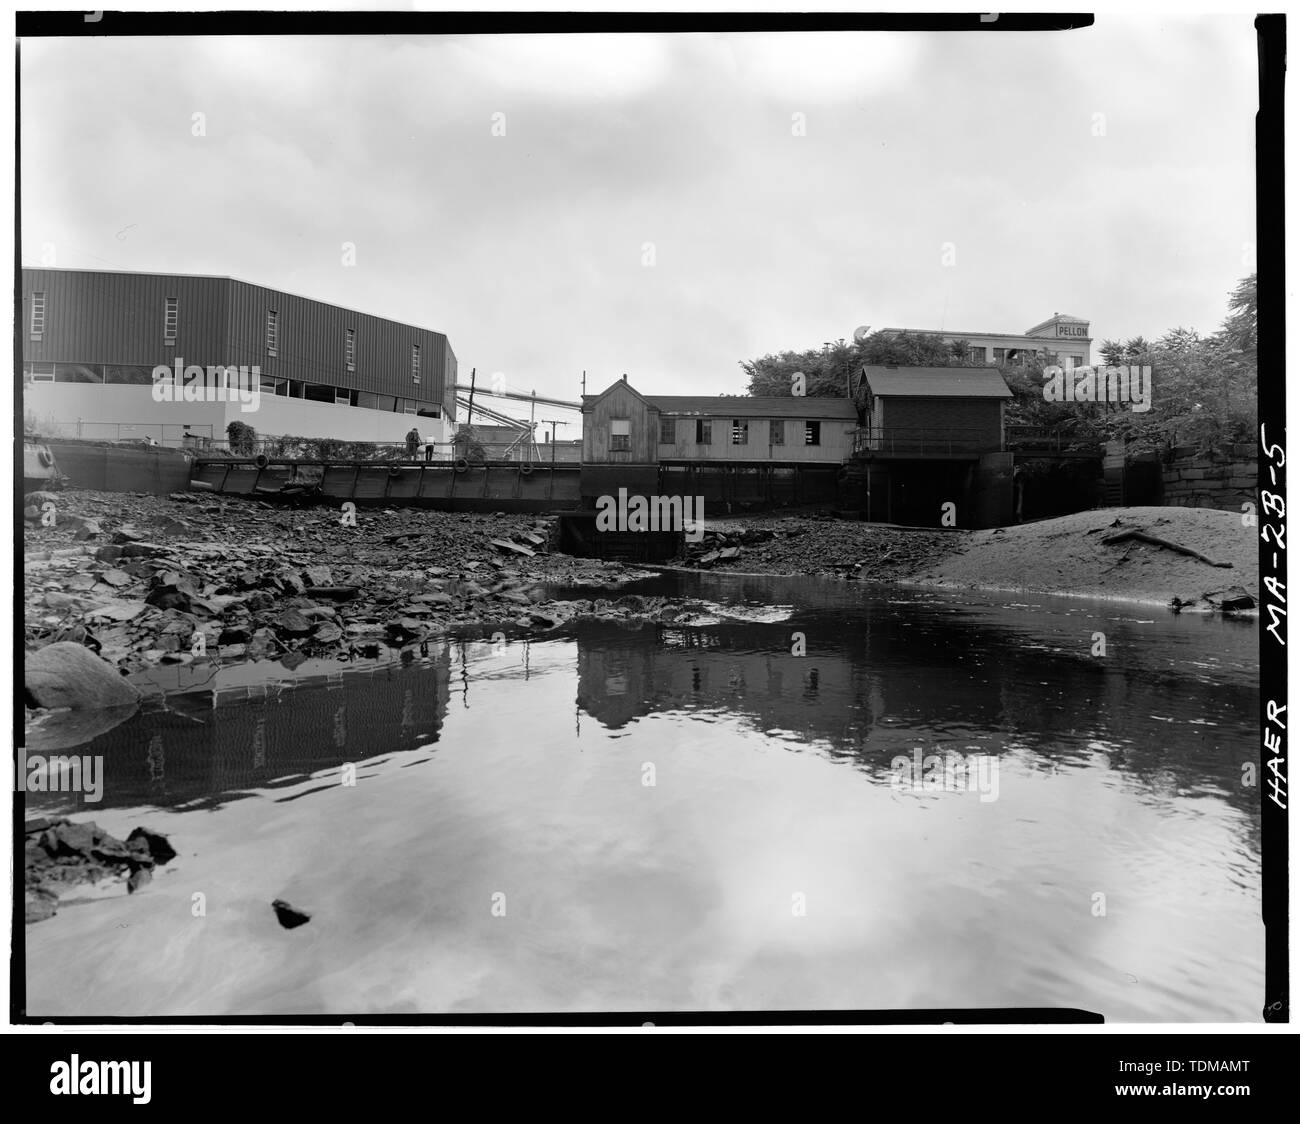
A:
(1050, 438)
(923, 440)
(398, 452)
(168, 434)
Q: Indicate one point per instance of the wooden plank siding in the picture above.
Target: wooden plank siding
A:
(836, 440)
(619, 401)
(978, 419)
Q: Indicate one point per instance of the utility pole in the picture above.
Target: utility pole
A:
(553, 422)
(469, 416)
(584, 384)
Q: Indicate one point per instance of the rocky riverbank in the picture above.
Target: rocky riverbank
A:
(148, 580)
(59, 854)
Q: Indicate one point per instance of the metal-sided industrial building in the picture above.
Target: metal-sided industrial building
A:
(91, 340)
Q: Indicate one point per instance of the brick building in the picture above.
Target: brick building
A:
(1060, 339)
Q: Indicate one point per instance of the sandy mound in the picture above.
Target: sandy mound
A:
(1067, 555)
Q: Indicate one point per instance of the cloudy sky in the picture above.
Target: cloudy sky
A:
(664, 206)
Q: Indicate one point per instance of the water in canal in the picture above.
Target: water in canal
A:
(697, 818)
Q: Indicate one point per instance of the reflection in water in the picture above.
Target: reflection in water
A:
(651, 841)
(893, 676)
(188, 753)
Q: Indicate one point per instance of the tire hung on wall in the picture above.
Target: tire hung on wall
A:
(261, 460)
(525, 469)
(462, 465)
(394, 470)
(45, 457)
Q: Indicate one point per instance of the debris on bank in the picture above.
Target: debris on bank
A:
(195, 577)
(816, 544)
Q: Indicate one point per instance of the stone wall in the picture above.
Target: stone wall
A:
(1223, 478)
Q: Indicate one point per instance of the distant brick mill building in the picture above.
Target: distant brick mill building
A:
(91, 340)
(1061, 339)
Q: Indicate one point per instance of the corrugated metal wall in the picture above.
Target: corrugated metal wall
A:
(312, 339)
(118, 318)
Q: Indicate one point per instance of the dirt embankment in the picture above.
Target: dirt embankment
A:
(1128, 553)
(1134, 553)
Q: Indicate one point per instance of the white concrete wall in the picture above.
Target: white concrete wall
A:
(117, 412)
(301, 418)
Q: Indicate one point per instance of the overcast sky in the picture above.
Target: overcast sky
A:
(529, 249)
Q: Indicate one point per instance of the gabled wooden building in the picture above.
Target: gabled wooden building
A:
(932, 436)
(734, 450)
(909, 441)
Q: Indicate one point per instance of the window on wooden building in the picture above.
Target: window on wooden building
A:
(812, 433)
(703, 432)
(667, 431)
(739, 431)
(620, 435)
(776, 432)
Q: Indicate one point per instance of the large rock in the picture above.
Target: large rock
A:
(67, 729)
(66, 674)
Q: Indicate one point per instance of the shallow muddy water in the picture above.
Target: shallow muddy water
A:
(664, 817)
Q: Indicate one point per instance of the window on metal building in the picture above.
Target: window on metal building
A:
(170, 311)
(272, 332)
(415, 362)
(350, 349)
(38, 315)
(620, 435)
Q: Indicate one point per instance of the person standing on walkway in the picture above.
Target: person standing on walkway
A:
(412, 442)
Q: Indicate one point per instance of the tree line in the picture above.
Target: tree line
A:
(1204, 387)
